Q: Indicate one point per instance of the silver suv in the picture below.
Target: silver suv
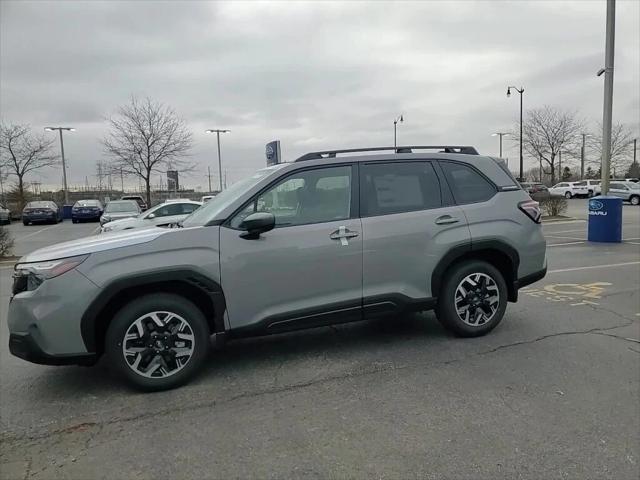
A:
(329, 238)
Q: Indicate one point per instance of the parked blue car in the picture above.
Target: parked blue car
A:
(84, 210)
(41, 212)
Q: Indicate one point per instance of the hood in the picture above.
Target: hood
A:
(98, 243)
(130, 222)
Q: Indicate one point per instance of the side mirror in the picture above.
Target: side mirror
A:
(151, 216)
(257, 223)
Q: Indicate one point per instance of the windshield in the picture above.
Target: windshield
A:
(124, 206)
(221, 201)
(87, 203)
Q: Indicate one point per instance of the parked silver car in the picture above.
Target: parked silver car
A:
(627, 191)
(329, 238)
(5, 215)
(119, 209)
(159, 216)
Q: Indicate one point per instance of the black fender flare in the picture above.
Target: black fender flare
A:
(188, 276)
(469, 248)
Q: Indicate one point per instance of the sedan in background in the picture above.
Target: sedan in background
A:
(536, 190)
(119, 209)
(41, 212)
(569, 190)
(138, 199)
(627, 191)
(84, 210)
(5, 215)
(159, 216)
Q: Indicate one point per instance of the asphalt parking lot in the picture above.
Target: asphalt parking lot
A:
(553, 392)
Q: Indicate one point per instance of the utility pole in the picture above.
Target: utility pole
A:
(608, 94)
(560, 165)
(121, 180)
(582, 154)
(520, 91)
(64, 165)
(218, 132)
(209, 177)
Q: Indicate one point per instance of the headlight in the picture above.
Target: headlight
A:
(107, 228)
(29, 276)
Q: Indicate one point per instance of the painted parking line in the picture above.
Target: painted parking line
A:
(562, 236)
(592, 267)
(36, 232)
(563, 244)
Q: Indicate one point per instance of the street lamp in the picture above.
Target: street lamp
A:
(218, 132)
(64, 166)
(500, 134)
(582, 152)
(395, 124)
(520, 91)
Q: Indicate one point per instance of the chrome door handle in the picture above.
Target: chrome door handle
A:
(446, 220)
(343, 234)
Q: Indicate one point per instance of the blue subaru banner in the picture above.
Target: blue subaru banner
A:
(273, 153)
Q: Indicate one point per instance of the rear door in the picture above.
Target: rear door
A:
(408, 223)
(306, 271)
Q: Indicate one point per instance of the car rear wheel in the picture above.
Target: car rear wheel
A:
(590, 194)
(473, 299)
(567, 195)
(158, 341)
(634, 200)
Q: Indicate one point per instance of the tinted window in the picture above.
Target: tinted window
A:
(468, 186)
(388, 188)
(168, 209)
(189, 207)
(313, 196)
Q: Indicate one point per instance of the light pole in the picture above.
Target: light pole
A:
(64, 165)
(520, 91)
(500, 134)
(395, 125)
(218, 132)
(608, 94)
(582, 153)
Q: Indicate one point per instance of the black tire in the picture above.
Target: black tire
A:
(73, 220)
(25, 223)
(634, 200)
(567, 195)
(157, 302)
(590, 194)
(446, 308)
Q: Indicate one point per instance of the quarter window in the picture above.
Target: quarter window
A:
(468, 186)
(312, 196)
(388, 188)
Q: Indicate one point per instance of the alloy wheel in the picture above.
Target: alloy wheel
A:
(158, 344)
(477, 299)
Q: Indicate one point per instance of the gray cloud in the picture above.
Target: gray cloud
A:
(315, 75)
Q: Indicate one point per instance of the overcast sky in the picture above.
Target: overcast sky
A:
(315, 75)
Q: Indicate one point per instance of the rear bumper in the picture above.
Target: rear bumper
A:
(531, 278)
(24, 346)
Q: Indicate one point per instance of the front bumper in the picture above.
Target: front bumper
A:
(24, 346)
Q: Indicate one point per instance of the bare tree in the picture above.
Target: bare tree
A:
(546, 132)
(621, 154)
(22, 152)
(145, 137)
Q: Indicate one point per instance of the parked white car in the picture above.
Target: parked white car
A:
(158, 216)
(593, 187)
(569, 189)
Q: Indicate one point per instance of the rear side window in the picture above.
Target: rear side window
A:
(388, 188)
(468, 186)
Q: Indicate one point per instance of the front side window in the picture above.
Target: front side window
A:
(388, 188)
(467, 184)
(312, 196)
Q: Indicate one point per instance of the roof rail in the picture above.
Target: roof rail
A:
(404, 149)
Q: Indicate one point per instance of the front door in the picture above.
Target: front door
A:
(307, 270)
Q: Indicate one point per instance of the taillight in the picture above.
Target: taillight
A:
(531, 209)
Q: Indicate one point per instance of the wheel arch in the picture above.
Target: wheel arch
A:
(498, 253)
(204, 292)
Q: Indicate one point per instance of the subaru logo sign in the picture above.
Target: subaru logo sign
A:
(272, 152)
(595, 205)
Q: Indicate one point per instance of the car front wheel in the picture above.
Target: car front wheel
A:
(158, 341)
(567, 195)
(635, 200)
(473, 299)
